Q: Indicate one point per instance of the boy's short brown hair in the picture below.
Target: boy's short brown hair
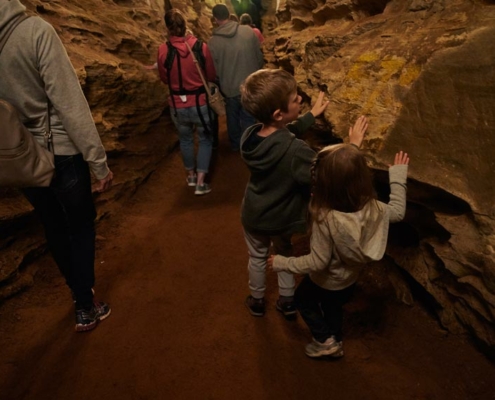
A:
(266, 91)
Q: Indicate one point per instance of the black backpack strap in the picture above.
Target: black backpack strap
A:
(198, 52)
(169, 61)
(11, 28)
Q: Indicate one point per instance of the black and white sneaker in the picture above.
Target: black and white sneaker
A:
(287, 308)
(87, 319)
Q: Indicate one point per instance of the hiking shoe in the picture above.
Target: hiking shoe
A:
(88, 319)
(192, 180)
(287, 308)
(256, 307)
(327, 348)
(202, 189)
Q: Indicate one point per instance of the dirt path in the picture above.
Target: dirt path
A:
(173, 268)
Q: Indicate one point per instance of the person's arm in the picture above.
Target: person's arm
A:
(301, 124)
(318, 259)
(151, 67)
(214, 56)
(66, 95)
(301, 165)
(398, 179)
(211, 73)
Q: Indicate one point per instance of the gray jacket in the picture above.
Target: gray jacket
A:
(342, 243)
(33, 66)
(236, 54)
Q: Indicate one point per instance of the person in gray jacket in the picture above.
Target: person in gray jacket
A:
(350, 229)
(36, 75)
(236, 54)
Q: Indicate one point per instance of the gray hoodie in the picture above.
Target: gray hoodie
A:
(342, 243)
(236, 54)
(33, 66)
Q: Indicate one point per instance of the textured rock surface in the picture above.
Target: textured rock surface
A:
(423, 71)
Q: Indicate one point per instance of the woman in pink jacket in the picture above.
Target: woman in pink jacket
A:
(188, 102)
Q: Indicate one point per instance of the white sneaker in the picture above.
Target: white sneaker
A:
(328, 348)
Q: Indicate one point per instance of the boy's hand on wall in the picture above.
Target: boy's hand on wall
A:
(319, 106)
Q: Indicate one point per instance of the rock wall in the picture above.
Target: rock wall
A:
(421, 70)
(424, 73)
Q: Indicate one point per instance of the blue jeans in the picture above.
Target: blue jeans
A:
(186, 120)
(67, 212)
(322, 309)
(238, 120)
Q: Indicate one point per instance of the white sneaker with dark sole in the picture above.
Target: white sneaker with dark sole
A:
(328, 348)
(202, 189)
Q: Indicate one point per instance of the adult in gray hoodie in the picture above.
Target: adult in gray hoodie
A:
(35, 70)
(236, 54)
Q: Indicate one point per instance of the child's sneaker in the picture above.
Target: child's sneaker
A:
(287, 308)
(202, 189)
(88, 319)
(192, 180)
(255, 306)
(328, 348)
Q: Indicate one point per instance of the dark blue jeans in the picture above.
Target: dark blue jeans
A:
(67, 212)
(322, 309)
(238, 120)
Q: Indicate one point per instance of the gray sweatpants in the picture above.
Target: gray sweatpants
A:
(259, 250)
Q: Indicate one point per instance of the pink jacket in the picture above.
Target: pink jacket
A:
(191, 79)
(258, 34)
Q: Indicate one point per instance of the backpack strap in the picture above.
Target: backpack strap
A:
(198, 52)
(11, 28)
(171, 53)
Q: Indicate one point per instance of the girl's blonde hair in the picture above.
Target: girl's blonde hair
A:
(342, 181)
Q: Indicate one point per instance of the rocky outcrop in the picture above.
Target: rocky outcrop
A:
(423, 72)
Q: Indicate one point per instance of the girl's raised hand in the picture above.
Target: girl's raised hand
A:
(320, 105)
(401, 158)
(356, 132)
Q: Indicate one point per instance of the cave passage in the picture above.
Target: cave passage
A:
(173, 267)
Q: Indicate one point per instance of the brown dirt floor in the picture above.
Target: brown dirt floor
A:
(173, 268)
